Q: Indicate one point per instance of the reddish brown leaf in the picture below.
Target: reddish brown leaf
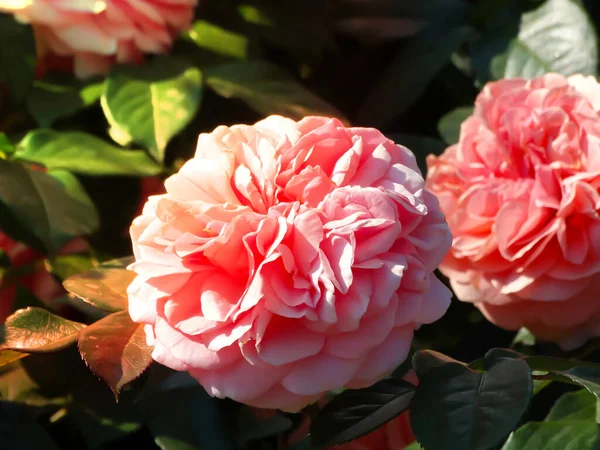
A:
(104, 287)
(115, 349)
(36, 330)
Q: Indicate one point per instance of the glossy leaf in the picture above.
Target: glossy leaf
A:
(8, 357)
(104, 287)
(449, 125)
(53, 206)
(55, 98)
(150, 104)
(559, 435)
(17, 56)
(556, 37)
(267, 89)
(115, 349)
(470, 410)
(410, 73)
(84, 154)
(354, 413)
(36, 330)
(579, 405)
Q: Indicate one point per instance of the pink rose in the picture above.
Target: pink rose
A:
(99, 33)
(35, 277)
(520, 191)
(288, 259)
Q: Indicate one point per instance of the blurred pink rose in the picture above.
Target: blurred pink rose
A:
(97, 33)
(520, 191)
(35, 277)
(289, 259)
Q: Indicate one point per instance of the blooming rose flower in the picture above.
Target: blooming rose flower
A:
(287, 259)
(520, 191)
(36, 278)
(97, 33)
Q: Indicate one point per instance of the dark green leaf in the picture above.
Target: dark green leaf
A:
(150, 104)
(556, 37)
(458, 408)
(449, 125)
(219, 40)
(115, 349)
(267, 89)
(188, 419)
(52, 99)
(53, 206)
(36, 330)
(354, 413)
(579, 405)
(560, 435)
(250, 428)
(410, 73)
(538, 363)
(20, 431)
(17, 56)
(85, 154)
(586, 377)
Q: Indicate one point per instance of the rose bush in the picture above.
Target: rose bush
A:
(520, 191)
(99, 33)
(298, 255)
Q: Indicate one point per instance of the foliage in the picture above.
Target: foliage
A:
(76, 160)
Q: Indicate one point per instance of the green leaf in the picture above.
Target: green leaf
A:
(104, 287)
(6, 146)
(150, 104)
(524, 337)
(84, 154)
(586, 377)
(115, 349)
(188, 419)
(52, 206)
(17, 56)
(55, 98)
(65, 266)
(410, 73)
(218, 40)
(250, 428)
(556, 37)
(579, 405)
(414, 446)
(559, 435)
(36, 330)
(458, 408)
(449, 124)
(267, 89)
(355, 413)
